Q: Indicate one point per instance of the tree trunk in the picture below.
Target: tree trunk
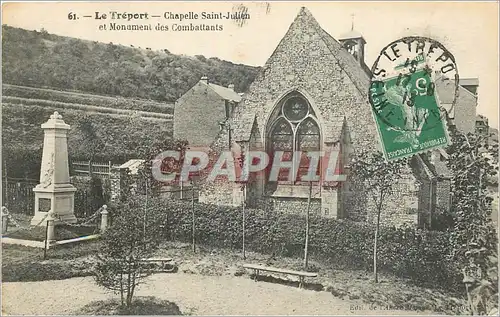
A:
(375, 242)
(306, 246)
(192, 216)
(375, 245)
(128, 285)
(132, 287)
(121, 288)
(243, 233)
(375, 273)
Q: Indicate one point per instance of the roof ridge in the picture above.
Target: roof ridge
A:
(467, 91)
(322, 33)
(225, 89)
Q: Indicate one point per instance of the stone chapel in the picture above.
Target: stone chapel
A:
(311, 94)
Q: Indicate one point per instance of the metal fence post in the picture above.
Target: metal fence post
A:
(90, 168)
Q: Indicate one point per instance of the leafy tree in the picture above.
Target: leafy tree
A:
(90, 139)
(472, 162)
(378, 177)
(75, 64)
(130, 239)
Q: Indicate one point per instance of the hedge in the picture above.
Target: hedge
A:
(64, 105)
(91, 194)
(416, 254)
(121, 138)
(87, 99)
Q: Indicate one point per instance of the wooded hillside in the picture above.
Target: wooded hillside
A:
(40, 59)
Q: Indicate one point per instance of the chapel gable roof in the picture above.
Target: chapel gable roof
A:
(346, 61)
(438, 168)
(223, 92)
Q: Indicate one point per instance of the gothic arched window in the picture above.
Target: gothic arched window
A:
(294, 128)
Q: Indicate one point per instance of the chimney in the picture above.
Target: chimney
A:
(231, 86)
(204, 79)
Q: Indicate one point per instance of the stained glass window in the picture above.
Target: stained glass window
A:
(282, 140)
(295, 109)
(282, 136)
(308, 139)
(294, 129)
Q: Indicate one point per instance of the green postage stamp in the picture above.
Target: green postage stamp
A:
(405, 102)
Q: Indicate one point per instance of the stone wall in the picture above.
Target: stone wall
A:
(465, 111)
(197, 115)
(120, 183)
(426, 206)
(295, 205)
(443, 198)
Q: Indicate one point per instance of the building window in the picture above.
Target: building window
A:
(294, 128)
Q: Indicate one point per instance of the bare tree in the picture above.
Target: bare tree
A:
(378, 178)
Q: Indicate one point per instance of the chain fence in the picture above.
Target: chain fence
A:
(86, 220)
(83, 222)
(19, 226)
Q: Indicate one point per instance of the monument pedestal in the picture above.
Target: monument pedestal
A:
(58, 198)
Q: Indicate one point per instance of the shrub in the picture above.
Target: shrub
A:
(86, 99)
(141, 306)
(65, 105)
(417, 254)
(135, 235)
(89, 196)
(23, 137)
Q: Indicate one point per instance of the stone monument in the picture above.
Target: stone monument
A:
(54, 191)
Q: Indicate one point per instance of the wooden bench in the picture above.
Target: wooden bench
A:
(301, 274)
(164, 264)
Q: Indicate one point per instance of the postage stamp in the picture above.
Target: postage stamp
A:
(404, 96)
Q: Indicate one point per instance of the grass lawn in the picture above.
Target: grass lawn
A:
(37, 233)
(61, 232)
(346, 284)
(140, 306)
(27, 264)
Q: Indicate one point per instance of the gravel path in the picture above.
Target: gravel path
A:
(195, 294)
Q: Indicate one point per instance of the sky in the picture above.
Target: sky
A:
(469, 30)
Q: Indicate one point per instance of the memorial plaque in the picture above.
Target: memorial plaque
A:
(44, 204)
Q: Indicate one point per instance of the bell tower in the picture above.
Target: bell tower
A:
(354, 43)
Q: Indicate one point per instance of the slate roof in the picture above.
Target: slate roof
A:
(469, 81)
(132, 165)
(352, 34)
(438, 168)
(446, 90)
(223, 92)
(422, 164)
